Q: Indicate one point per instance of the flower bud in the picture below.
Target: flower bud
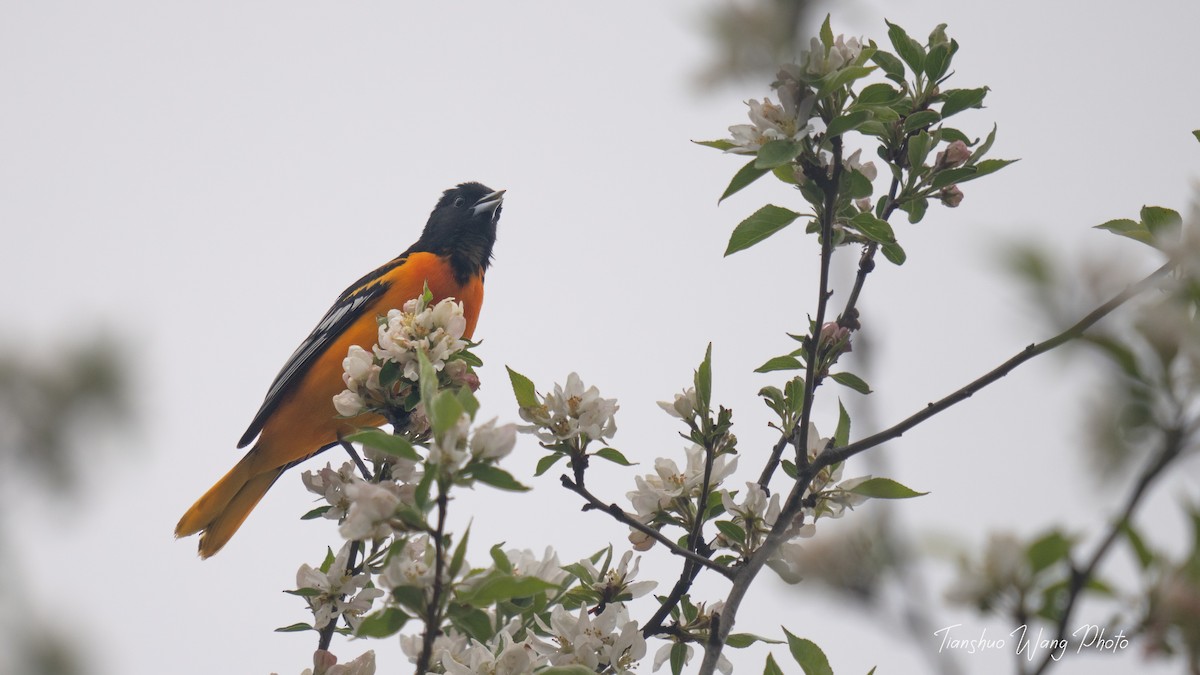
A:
(951, 196)
(955, 155)
(640, 540)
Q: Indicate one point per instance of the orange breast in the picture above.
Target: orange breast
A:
(304, 420)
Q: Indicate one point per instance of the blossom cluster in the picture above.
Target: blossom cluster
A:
(419, 328)
(572, 415)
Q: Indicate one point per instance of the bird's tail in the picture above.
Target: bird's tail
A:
(222, 510)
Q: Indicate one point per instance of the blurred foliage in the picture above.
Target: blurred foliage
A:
(752, 37)
(50, 408)
(55, 402)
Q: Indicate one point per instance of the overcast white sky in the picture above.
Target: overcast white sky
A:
(204, 178)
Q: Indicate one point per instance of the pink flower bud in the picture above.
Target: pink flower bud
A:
(951, 196)
(834, 334)
(955, 155)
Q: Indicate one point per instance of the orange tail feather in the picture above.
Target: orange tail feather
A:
(222, 510)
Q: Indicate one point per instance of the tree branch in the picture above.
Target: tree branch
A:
(621, 516)
(835, 455)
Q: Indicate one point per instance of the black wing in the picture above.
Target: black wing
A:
(348, 307)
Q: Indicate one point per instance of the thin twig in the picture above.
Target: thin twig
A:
(836, 455)
(794, 503)
(1172, 447)
(621, 516)
(362, 467)
(433, 613)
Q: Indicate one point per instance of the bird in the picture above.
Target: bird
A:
(297, 419)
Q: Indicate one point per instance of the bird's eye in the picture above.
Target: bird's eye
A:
(459, 202)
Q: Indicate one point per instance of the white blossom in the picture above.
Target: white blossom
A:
(842, 53)
(449, 448)
(448, 645)
(504, 658)
(372, 506)
(436, 330)
(571, 412)
(330, 485)
(769, 122)
(655, 492)
(411, 566)
(325, 663)
(526, 564)
(684, 405)
(491, 442)
(336, 588)
(618, 582)
(866, 169)
(609, 639)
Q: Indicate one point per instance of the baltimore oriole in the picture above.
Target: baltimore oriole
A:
(297, 419)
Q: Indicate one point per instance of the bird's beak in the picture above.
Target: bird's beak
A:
(488, 203)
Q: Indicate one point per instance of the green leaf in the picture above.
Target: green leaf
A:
(1048, 550)
(841, 437)
(875, 229)
(937, 62)
(294, 628)
(848, 122)
(955, 101)
(316, 513)
(546, 462)
(891, 66)
(851, 380)
(466, 398)
(445, 412)
(392, 444)
(496, 477)
(808, 655)
(826, 34)
(772, 668)
(427, 377)
(894, 253)
(916, 209)
(918, 149)
(909, 49)
(500, 559)
(1196, 133)
(383, 624)
(952, 176)
(983, 147)
(505, 587)
(840, 78)
(745, 176)
(678, 657)
(880, 93)
(1127, 228)
(613, 455)
(743, 640)
(719, 144)
(523, 389)
(472, 621)
(460, 552)
(987, 166)
(732, 531)
(305, 592)
(702, 380)
(761, 224)
(857, 185)
(1161, 222)
(921, 120)
(1144, 555)
(885, 488)
(786, 173)
(776, 153)
(779, 363)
